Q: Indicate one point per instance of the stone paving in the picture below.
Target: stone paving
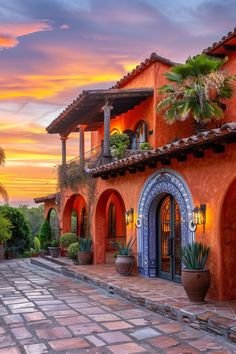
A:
(159, 295)
(44, 312)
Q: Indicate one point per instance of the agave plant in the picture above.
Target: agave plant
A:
(123, 249)
(85, 245)
(195, 90)
(194, 256)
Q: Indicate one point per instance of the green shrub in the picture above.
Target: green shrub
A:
(21, 235)
(67, 239)
(37, 244)
(73, 250)
(55, 243)
(119, 143)
(45, 234)
(85, 245)
(5, 228)
(26, 254)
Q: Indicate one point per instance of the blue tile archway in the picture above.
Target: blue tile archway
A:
(164, 181)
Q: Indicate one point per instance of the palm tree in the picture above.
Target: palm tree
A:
(196, 90)
(3, 192)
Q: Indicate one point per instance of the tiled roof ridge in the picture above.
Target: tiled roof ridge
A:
(154, 57)
(163, 150)
(225, 38)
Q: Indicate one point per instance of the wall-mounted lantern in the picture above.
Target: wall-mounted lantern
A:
(129, 216)
(199, 217)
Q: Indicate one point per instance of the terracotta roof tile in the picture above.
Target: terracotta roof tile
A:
(220, 42)
(143, 65)
(178, 146)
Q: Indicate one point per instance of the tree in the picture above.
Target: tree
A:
(196, 90)
(45, 234)
(5, 232)
(20, 240)
(34, 216)
(3, 191)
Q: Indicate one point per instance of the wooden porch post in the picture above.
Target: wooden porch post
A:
(81, 143)
(107, 120)
(63, 149)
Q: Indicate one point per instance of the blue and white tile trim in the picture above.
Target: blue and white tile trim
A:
(158, 184)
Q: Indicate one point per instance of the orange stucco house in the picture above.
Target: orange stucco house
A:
(150, 195)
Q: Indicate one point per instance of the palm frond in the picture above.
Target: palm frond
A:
(4, 193)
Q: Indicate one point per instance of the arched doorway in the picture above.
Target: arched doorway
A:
(168, 238)
(132, 139)
(109, 224)
(72, 213)
(228, 245)
(54, 223)
(165, 195)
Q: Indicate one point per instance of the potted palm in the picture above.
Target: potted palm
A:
(196, 90)
(124, 257)
(85, 254)
(195, 278)
(54, 249)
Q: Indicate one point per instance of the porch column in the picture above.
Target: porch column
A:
(107, 119)
(63, 149)
(81, 143)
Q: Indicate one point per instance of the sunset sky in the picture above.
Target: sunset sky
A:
(50, 50)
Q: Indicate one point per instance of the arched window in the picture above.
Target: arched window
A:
(141, 133)
(83, 222)
(74, 222)
(54, 223)
(111, 220)
(132, 139)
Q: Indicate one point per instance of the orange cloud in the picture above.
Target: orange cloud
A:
(9, 33)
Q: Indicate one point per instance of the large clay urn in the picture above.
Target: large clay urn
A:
(124, 264)
(196, 284)
(85, 258)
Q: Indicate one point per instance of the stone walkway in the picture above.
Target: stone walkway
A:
(44, 312)
(164, 297)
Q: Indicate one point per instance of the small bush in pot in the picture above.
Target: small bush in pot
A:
(66, 240)
(124, 257)
(85, 254)
(73, 252)
(195, 278)
(54, 249)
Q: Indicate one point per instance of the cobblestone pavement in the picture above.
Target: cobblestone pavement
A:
(43, 312)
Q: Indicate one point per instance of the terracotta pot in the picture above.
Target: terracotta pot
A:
(85, 257)
(54, 251)
(196, 284)
(124, 264)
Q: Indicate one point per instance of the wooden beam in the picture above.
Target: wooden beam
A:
(140, 167)
(181, 157)
(165, 160)
(132, 169)
(218, 148)
(229, 47)
(104, 176)
(198, 154)
(121, 172)
(152, 163)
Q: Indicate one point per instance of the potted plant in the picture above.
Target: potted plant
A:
(85, 254)
(73, 252)
(124, 257)
(37, 247)
(54, 249)
(145, 146)
(119, 143)
(66, 240)
(195, 278)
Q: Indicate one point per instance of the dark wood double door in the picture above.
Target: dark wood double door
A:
(169, 239)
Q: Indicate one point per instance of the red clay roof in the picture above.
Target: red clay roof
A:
(224, 39)
(184, 145)
(140, 67)
(45, 198)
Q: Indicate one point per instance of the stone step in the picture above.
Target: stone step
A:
(46, 264)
